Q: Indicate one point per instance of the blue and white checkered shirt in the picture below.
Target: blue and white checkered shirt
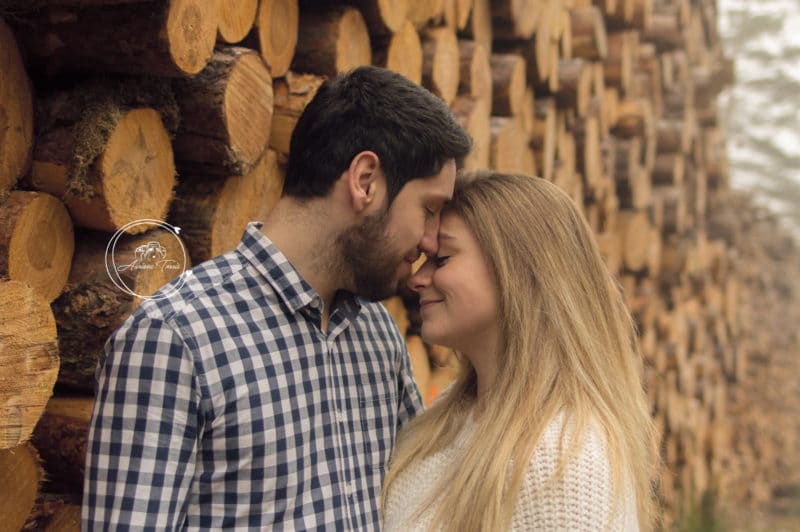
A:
(226, 406)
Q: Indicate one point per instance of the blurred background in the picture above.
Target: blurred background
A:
(760, 111)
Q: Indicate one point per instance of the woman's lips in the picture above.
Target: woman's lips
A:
(427, 303)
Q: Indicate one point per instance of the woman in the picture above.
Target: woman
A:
(547, 426)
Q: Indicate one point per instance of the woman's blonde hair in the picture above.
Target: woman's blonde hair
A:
(567, 344)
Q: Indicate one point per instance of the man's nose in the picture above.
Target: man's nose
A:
(422, 277)
(429, 243)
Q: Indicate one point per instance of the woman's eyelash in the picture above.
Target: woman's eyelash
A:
(440, 261)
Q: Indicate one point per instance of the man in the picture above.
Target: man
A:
(266, 392)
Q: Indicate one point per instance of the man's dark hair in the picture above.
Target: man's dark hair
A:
(412, 131)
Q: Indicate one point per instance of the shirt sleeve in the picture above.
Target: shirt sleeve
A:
(409, 398)
(143, 433)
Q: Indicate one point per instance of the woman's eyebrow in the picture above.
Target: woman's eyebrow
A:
(446, 236)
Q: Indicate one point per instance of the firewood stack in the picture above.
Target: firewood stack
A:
(113, 112)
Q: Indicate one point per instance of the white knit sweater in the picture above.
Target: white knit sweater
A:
(580, 501)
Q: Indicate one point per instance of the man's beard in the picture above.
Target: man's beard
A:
(366, 252)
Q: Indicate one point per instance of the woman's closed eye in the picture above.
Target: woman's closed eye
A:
(440, 260)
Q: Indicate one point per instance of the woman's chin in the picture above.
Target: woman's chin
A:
(431, 336)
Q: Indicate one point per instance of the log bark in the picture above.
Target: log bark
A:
(588, 34)
(402, 53)
(29, 355)
(588, 158)
(275, 34)
(473, 115)
(236, 18)
(16, 113)
(95, 305)
(665, 32)
(673, 136)
(510, 150)
(126, 169)
(475, 78)
(67, 518)
(226, 113)
(543, 140)
(574, 85)
(633, 182)
(440, 65)
(669, 169)
(60, 438)
(618, 64)
(36, 242)
(508, 84)
(516, 20)
(164, 38)
(20, 476)
(479, 25)
(291, 95)
(213, 213)
(331, 39)
(674, 208)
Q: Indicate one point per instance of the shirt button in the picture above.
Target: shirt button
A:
(341, 417)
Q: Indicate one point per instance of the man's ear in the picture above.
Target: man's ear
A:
(363, 179)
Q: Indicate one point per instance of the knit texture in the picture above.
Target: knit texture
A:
(580, 501)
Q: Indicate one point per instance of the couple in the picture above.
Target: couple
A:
(273, 392)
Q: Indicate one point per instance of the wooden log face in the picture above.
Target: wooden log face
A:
(277, 33)
(226, 114)
(36, 241)
(20, 475)
(139, 170)
(236, 17)
(16, 112)
(30, 360)
(248, 109)
(331, 40)
(191, 31)
(351, 51)
(175, 38)
(441, 72)
(404, 55)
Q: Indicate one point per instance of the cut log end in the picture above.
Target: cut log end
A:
(192, 32)
(138, 170)
(277, 33)
(441, 70)
(404, 55)
(16, 112)
(352, 46)
(248, 109)
(36, 242)
(20, 475)
(236, 17)
(29, 353)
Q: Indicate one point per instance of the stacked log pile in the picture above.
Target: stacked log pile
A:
(113, 112)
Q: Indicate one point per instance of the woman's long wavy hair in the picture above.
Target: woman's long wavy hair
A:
(567, 344)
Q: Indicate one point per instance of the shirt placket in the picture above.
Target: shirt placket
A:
(336, 395)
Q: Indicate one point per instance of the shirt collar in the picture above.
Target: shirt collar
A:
(295, 292)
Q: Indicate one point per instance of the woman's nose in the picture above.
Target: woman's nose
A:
(422, 277)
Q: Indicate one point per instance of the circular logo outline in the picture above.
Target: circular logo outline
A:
(170, 287)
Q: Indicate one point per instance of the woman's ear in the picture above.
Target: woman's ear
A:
(363, 179)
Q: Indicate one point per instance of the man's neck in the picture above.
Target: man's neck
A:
(306, 236)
